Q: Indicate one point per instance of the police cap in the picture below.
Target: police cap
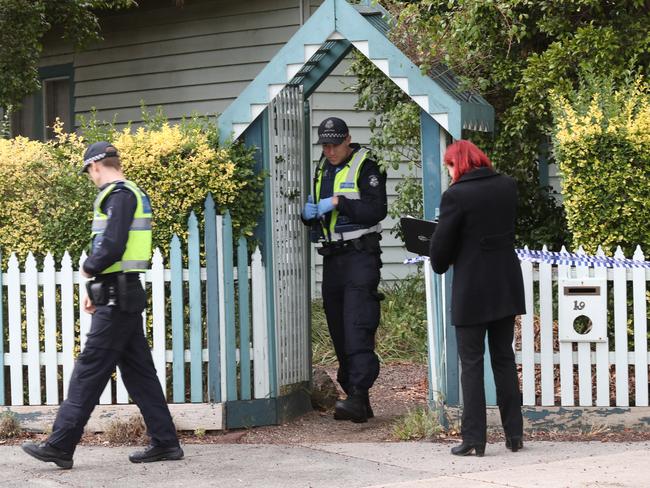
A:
(96, 152)
(332, 131)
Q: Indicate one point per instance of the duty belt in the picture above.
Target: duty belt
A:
(367, 242)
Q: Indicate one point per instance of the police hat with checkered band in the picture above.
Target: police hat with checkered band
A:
(332, 131)
(96, 152)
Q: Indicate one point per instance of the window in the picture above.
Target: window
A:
(36, 117)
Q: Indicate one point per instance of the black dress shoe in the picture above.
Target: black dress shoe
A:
(514, 443)
(49, 454)
(466, 448)
(355, 407)
(156, 453)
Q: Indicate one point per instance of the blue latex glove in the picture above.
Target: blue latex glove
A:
(310, 210)
(325, 206)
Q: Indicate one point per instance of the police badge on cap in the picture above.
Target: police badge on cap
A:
(332, 131)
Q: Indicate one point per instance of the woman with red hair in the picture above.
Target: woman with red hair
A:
(475, 234)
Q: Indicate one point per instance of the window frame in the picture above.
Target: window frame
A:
(51, 73)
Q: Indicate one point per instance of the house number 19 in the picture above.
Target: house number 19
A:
(578, 305)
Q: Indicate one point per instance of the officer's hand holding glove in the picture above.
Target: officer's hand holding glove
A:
(310, 210)
(325, 206)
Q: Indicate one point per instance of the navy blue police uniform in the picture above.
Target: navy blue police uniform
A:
(116, 338)
(351, 274)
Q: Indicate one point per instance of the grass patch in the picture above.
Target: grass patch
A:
(417, 424)
(402, 333)
(9, 425)
(129, 431)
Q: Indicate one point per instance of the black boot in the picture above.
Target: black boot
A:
(369, 413)
(49, 454)
(466, 448)
(514, 443)
(355, 407)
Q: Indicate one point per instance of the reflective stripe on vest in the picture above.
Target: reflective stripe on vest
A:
(345, 184)
(137, 255)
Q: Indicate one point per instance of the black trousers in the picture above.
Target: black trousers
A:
(352, 308)
(471, 348)
(115, 338)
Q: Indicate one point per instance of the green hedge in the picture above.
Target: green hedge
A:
(47, 206)
(602, 145)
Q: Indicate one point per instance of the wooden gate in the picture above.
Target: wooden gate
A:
(290, 269)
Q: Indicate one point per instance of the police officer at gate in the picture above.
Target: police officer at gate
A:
(345, 211)
(120, 251)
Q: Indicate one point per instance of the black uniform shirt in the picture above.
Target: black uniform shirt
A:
(120, 207)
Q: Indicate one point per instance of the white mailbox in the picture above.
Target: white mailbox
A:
(585, 297)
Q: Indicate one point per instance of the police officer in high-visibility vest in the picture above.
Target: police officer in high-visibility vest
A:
(345, 211)
(120, 251)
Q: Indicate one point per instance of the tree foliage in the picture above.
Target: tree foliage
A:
(515, 52)
(24, 23)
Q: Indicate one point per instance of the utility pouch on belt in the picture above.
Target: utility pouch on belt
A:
(131, 297)
(97, 292)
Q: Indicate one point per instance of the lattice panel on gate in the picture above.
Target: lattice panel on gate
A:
(290, 264)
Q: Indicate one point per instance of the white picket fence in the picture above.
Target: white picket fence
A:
(42, 312)
(540, 360)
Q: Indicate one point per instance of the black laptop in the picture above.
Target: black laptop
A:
(417, 234)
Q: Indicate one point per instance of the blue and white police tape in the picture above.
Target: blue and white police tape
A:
(564, 259)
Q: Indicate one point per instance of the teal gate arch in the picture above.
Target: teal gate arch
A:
(446, 110)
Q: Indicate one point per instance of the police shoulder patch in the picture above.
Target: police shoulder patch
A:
(373, 180)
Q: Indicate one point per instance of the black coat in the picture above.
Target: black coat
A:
(475, 234)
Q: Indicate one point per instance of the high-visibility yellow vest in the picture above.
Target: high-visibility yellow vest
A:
(137, 255)
(345, 184)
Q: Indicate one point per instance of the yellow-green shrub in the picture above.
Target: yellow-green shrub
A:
(602, 145)
(47, 206)
(177, 168)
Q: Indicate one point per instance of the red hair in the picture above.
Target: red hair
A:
(463, 156)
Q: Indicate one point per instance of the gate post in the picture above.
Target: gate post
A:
(443, 374)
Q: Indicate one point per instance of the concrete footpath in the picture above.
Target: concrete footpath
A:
(395, 465)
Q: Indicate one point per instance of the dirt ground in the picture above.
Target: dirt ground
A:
(401, 387)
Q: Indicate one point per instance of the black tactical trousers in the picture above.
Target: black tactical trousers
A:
(115, 338)
(471, 348)
(352, 308)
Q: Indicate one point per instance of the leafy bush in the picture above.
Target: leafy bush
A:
(602, 144)
(48, 207)
(402, 333)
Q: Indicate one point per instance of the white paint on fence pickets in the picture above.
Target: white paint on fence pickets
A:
(28, 348)
(158, 316)
(620, 333)
(262, 387)
(640, 332)
(528, 338)
(566, 354)
(602, 351)
(547, 366)
(584, 358)
(15, 331)
(32, 325)
(584, 354)
(49, 316)
(67, 320)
